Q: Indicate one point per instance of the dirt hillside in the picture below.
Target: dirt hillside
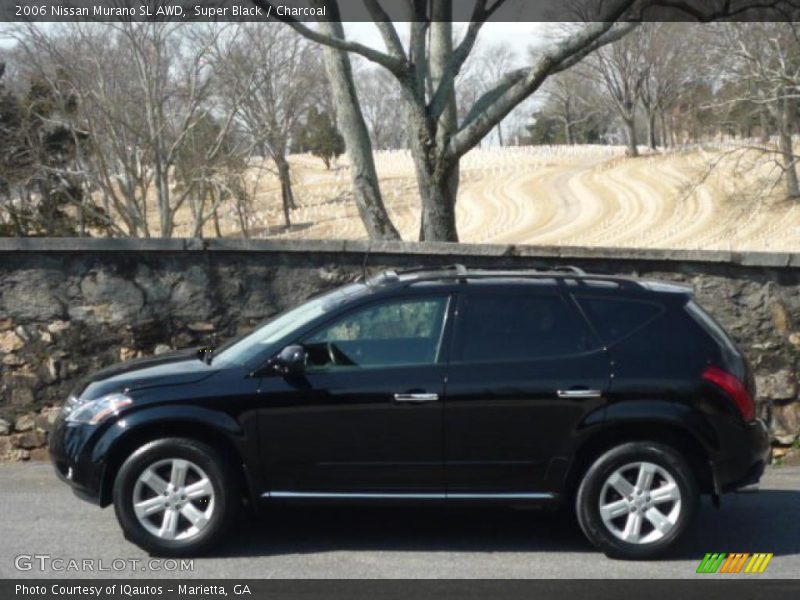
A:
(579, 195)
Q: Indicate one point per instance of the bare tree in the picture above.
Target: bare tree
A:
(268, 77)
(670, 65)
(479, 74)
(621, 69)
(139, 116)
(427, 68)
(382, 106)
(350, 119)
(573, 100)
(172, 82)
(765, 57)
(41, 191)
(108, 111)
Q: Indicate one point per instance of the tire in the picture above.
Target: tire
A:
(170, 519)
(662, 510)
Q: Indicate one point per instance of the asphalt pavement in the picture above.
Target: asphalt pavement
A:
(45, 531)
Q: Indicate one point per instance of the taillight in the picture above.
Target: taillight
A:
(734, 388)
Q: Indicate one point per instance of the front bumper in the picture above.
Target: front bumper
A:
(746, 461)
(70, 454)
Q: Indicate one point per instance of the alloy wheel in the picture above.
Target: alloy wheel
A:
(640, 503)
(173, 499)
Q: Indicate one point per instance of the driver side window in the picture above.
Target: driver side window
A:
(396, 333)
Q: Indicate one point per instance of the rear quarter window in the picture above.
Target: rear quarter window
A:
(617, 318)
(711, 327)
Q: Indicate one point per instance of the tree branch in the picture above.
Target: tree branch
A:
(386, 28)
(419, 65)
(516, 86)
(513, 77)
(480, 14)
(726, 11)
(394, 64)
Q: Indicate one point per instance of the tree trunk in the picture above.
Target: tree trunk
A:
(437, 197)
(764, 122)
(217, 228)
(241, 213)
(437, 189)
(673, 134)
(662, 121)
(197, 205)
(162, 193)
(787, 151)
(437, 180)
(630, 133)
(440, 211)
(287, 196)
(287, 217)
(568, 135)
(366, 190)
(651, 131)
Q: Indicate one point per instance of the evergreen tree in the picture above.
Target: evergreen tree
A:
(38, 192)
(320, 137)
(545, 130)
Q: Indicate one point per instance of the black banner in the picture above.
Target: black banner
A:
(258, 589)
(357, 10)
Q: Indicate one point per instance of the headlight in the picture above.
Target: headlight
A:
(94, 411)
(70, 405)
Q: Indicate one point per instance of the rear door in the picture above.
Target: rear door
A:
(652, 360)
(525, 372)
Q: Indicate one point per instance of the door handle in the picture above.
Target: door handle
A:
(579, 394)
(416, 398)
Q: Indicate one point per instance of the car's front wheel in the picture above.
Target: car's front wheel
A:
(174, 497)
(636, 500)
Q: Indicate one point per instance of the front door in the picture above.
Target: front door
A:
(366, 418)
(524, 373)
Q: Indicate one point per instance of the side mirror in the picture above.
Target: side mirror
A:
(291, 361)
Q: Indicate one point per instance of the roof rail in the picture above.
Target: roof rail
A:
(457, 267)
(461, 270)
(568, 269)
(381, 278)
(461, 273)
(530, 273)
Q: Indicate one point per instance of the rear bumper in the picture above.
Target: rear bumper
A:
(745, 465)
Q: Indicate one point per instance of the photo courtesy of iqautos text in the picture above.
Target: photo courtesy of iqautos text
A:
(383, 299)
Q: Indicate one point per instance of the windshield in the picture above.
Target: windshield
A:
(268, 334)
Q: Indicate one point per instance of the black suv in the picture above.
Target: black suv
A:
(622, 397)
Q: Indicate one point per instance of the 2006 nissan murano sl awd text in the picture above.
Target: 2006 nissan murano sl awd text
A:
(619, 397)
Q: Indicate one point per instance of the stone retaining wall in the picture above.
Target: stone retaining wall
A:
(71, 306)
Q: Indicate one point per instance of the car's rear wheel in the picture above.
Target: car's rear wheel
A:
(174, 497)
(636, 500)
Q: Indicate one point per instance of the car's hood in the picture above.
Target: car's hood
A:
(167, 369)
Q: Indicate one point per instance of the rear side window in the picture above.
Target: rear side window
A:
(512, 328)
(616, 318)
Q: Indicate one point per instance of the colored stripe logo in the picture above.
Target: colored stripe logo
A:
(735, 562)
